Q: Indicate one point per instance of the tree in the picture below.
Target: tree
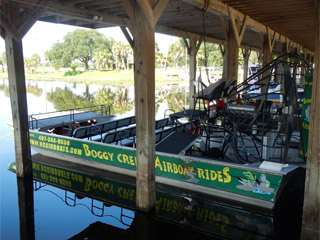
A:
(57, 56)
(213, 54)
(35, 61)
(32, 62)
(176, 51)
(116, 54)
(103, 58)
(78, 45)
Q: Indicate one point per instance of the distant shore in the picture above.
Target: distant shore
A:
(113, 78)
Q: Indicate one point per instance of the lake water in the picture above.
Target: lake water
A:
(61, 214)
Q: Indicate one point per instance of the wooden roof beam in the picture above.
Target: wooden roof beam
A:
(195, 36)
(82, 14)
(220, 8)
(9, 27)
(238, 35)
(128, 36)
(152, 13)
(29, 19)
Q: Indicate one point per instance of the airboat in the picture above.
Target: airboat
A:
(242, 142)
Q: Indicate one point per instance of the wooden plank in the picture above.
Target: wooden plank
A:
(144, 81)
(311, 208)
(18, 105)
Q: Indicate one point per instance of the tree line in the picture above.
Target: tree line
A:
(91, 49)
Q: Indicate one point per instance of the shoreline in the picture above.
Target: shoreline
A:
(111, 78)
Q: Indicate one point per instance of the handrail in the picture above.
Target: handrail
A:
(73, 109)
(104, 109)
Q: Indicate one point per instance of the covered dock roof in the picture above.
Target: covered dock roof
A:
(290, 22)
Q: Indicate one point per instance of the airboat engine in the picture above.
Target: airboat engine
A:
(241, 110)
(263, 112)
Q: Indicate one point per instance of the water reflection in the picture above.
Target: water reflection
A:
(63, 95)
(112, 200)
(118, 99)
(35, 90)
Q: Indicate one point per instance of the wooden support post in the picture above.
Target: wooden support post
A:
(224, 54)
(144, 82)
(26, 207)
(266, 51)
(266, 58)
(232, 53)
(144, 16)
(311, 209)
(192, 48)
(18, 101)
(246, 52)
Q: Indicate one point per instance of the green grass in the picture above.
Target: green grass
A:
(112, 78)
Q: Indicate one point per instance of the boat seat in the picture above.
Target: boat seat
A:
(133, 120)
(162, 123)
(124, 122)
(109, 137)
(81, 132)
(122, 134)
(107, 126)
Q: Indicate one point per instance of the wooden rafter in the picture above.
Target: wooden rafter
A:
(2, 32)
(288, 43)
(24, 22)
(30, 19)
(220, 8)
(128, 36)
(9, 27)
(222, 49)
(60, 9)
(192, 44)
(129, 8)
(246, 52)
(152, 13)
(239, 33)
(271, 38)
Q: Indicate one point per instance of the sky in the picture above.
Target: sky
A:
(43, 35)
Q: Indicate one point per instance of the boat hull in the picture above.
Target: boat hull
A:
(246, 184)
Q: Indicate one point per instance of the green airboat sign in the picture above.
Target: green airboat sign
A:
(243, 181)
